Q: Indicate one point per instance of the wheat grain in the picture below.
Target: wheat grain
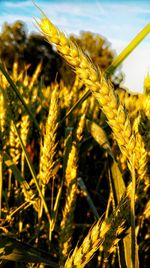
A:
(49, 146)
(93, 79)
(140, 152)
(71, 192)
(14, 144)
(82, 255)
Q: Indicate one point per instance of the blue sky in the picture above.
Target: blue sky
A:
(118, 21)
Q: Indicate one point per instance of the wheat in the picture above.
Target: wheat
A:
(99, 135)
(146, 105)
(3, 81)
(131, 102)
(24, 131)
(66, 96)
(140, 153)
(103, 91)
(93, 79)
(35, 76)
(49, 146)
(147, 84)
(103, 234)
(14, 144)
(71, 192)
(69, 207)
(67, 154)
(82, 255)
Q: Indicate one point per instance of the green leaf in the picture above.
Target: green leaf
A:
(11, 165)
(14, 250)
(118, 191)
(118, 181)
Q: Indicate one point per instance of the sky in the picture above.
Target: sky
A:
(116, 20)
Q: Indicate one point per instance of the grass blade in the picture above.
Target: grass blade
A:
(29, 194)
(119, 188)
(88, 198)
(131, 46)
(134, 247)
(9, 163)
(14, 250)
(118, 181)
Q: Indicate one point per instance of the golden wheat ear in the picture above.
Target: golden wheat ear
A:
(94, 80)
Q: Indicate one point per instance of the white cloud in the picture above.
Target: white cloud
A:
(108, 19)
(135, 68)
(136, 65)
(119, 23)
(19, 4)
(12, 18)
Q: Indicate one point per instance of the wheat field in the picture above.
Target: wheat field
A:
(74, 165)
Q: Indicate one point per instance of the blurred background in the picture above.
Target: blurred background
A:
(116, 22)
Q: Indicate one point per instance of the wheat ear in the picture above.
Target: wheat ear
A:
(132, 102)
(49, 145)
(140, 152)
(145, 99)
(82, 255)
(71, 192)
(93, 79)
(104, 234)
(69, 206)
(14, 144)
(15, 71)
(25, 122)
(35, 75)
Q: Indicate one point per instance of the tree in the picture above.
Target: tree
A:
(12, 43)
(31, 49)
(16, 44)
(38, 50)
